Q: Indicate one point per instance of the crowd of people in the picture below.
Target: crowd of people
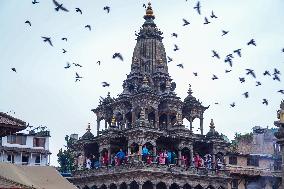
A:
(147, 156)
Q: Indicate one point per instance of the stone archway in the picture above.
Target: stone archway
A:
(123, 186)
(161, 185)
(112, 186)
(198, 187)
(186, 186)
(174, 186)
(134, 185)
(147, 185)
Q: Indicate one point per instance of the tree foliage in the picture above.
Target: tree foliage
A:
(66, 156)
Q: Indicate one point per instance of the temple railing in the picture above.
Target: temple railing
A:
(253, 171)
(158, 168)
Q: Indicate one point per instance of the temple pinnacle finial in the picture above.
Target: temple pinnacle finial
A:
(89, 127)
(212, 124)
(149, 12)
(189, 92)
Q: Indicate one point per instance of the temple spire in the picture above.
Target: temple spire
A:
(149, 12)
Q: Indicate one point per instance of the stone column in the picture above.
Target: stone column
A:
(191, 156)
(140, 152)
(190, 122)
(154, 150)
(98, 126)
(133, 118)
(109, 155)
(140, 185)
(201, 125)
(168, 121)
(128, 150)
(105, 124)
(156, 119)
(179, 157)
(21, 158)
(30, 162)
(123, 121)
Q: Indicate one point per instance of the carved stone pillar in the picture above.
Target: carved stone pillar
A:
(191, 155)
(201, 125)
(140, 152)
(190, 122)
(98, 126)
(179, 157)
(105, 124)
(154, 150)
(128, 150)
(123, 121)
(133, 118)
(156, 119)
(140, 185)
(109, 155)
(168, 121)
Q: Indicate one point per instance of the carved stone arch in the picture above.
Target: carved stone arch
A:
(198, 187)
(112, 186)
(161, 185)
(174, 186)
(186, 186)
(94, 187)
(123, 185)
(134, 185)
(147, 185)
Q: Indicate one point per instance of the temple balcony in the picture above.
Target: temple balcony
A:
(151, 168)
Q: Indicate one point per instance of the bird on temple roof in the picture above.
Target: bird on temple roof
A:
(105, 84)
(242, 79)
(267, 73)
(215, 54)
(224, 32)
(206, 21)
(47, 39)
(258, 83)
(281, 91)
(107, 8)
(185, 22)
(117, 55)
(176, 48)
(246, 94)
(180, 65)
(144, 5)
(238, 51)
(214, 77)
(213, 15)
(264, 101)
(174, 35)
(59, 6)
(78, 10)
(251, 42)
(227, 71)
(68, 65)
(250, 72)
(197, 7)
(89, 27)
(169, 59)
(14, 70)
(276, 77)
(28, 22)
(34, 2)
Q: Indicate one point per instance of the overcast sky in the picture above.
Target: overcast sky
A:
(42, 92)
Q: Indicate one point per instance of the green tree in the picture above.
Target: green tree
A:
(66, 156)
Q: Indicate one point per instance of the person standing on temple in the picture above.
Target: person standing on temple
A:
(197, 161)
(120, 157)
(105, 159)
(88, 163)
(169, 157)
(145, 153)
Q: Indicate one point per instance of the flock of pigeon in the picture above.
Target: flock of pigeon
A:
(228, 58)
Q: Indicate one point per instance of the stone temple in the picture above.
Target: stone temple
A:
(149, 113)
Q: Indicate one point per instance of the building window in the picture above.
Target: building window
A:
(234, 184)
(25, 159)
(253, 161)
(10, 158)
(14, 139)
(37, 160)
(233, 160)
(39, 142)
